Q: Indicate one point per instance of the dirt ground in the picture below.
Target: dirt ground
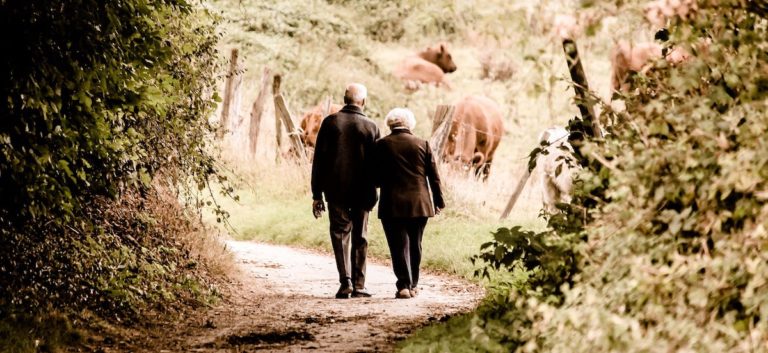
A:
(282, 300)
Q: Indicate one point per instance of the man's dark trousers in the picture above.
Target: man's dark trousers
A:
(349, 223)
(404, 239)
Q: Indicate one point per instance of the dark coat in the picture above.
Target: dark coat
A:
(405, 172)
(341, 168)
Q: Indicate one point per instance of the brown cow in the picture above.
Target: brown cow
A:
(627, 58)
(310, 123)
(427, 66)
(475, 134)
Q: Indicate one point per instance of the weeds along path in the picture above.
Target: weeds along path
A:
(283, 301)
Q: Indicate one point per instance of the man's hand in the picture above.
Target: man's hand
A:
(437, 210)
(317, 208)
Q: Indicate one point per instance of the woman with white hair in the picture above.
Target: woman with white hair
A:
(410, 193)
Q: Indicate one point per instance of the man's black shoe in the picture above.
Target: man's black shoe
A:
(344, 290)
(361, 293)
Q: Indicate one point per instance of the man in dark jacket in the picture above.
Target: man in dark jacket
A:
(410, 193)
(341, 170)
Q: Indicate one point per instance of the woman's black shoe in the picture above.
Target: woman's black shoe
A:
(361, 293)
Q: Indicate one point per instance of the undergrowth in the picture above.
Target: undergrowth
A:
(668, 250)
(104, 110)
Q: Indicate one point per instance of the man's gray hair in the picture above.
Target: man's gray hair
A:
(356, 93)
(400, 118)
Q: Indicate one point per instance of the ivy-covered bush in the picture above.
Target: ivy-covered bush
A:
(102, 102)
(673, 256)
(97, 98)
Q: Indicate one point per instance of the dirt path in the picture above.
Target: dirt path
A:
(282, 301)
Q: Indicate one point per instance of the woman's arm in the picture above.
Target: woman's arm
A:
(433, 177)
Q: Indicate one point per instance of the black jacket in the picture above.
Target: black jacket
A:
(406, 172)
(341, 168)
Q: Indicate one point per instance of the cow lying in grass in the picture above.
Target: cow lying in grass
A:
(428, 66)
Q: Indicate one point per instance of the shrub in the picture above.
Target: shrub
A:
(103, 102)
(115, 92)
(673, 257)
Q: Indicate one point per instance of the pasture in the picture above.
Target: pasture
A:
(319, 46)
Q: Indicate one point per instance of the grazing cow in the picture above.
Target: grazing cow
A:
(475, 133)
(428, 66)
(310, 123)
(627, 58)
(556, 168)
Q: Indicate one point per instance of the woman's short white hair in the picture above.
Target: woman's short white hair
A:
(400, 118)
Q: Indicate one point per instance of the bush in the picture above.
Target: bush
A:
(103, 102)
(675, 242)
(116, 92)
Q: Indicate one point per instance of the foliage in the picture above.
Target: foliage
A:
(51, 331)
(112, 97)
(392, 20)
(136, 257)
(103, 103)
(675, 254)
(547, 258)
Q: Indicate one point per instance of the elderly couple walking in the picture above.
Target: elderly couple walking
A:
(350, 161)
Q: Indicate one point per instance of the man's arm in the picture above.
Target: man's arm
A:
(319, 161)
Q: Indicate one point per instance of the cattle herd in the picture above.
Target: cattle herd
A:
(477, 125)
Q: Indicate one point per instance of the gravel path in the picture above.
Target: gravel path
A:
(282, 300)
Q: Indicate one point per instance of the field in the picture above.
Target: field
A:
(317, 54)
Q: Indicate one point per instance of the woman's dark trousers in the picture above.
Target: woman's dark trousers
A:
(404, 239)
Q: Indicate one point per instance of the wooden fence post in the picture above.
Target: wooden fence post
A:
(516, 194)
(278, 123)
(229, 89)
(283, 115)
(293, 134)
(327, 107)
(440, 114)
(581, 87)
(257, 110)
(441, 127)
